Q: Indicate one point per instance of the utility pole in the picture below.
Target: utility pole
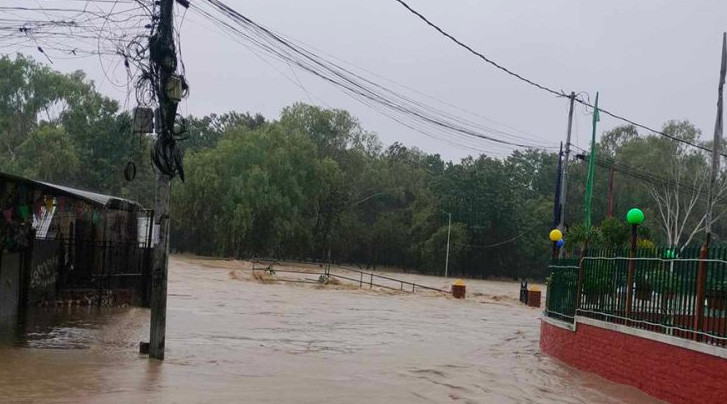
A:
(717, 144)
(558, 185)
(164, 64)
(716, 147)
(449, 230)
(564, 169)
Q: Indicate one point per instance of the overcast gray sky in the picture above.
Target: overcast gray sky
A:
(651, 61)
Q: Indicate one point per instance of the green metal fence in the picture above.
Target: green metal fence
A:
(561, 296)
(672, 291)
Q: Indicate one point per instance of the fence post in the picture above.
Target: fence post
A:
(632, 270)
(360, 283)
(701, 280)
(579, 288)
(371, 283)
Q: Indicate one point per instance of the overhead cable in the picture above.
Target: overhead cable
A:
(543, 87)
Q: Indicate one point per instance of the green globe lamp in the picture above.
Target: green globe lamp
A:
(635, 216)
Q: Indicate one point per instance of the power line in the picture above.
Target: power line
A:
(408, 111)
(543, 87)
(478, 54)
(642, 126)
(491, 245)
(644, 175)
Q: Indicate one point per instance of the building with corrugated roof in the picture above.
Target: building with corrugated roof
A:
(65, 246)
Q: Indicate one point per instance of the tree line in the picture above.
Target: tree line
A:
(313, 184)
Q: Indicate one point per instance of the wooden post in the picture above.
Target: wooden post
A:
(632, 270)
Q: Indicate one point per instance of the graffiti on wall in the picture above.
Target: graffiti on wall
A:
(45, 273)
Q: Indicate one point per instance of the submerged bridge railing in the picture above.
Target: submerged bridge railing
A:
(362, 278)
(675, 293)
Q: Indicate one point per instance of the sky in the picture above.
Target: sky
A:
(651, 61)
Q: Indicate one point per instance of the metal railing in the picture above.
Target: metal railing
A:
(560, 299)
(363, 278)
(676, 293)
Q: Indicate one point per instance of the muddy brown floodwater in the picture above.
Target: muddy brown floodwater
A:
(232, 339)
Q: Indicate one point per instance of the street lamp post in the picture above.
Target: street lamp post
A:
(635, 217)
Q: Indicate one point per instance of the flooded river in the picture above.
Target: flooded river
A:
(233, 339)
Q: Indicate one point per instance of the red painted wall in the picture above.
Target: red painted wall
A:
(667, 372)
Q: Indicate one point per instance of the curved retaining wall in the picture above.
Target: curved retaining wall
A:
(669, 368)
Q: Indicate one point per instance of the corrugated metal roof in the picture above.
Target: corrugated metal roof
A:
(107, 201)
(101, 200)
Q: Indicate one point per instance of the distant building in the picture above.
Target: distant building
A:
(64, 246)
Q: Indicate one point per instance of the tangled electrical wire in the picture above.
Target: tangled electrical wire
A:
(163, 56)
(121, 34)
(407, 110)
(72, 29)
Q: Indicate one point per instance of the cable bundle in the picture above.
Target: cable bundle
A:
(408, 111)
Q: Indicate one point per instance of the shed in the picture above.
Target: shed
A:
(62, 245)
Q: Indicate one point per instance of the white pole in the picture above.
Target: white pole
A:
(449, 230)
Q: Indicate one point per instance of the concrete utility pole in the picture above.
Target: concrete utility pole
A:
(449, 230)
(563, 175)
(716, 147)
(163, 57)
